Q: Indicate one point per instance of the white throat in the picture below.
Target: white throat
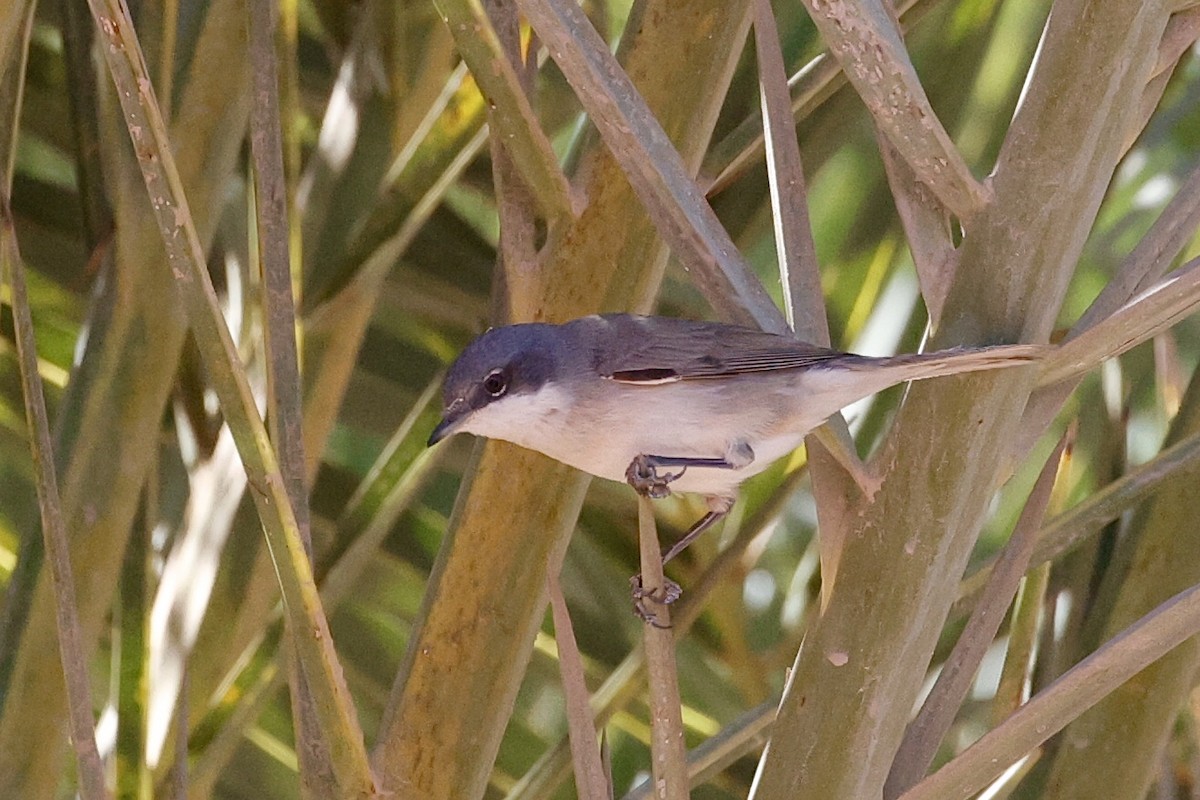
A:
(534, 420)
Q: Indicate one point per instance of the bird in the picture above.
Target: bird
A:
(671, 405)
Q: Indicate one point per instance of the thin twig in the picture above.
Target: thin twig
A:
(282, 364)
(515, 204)
(591, 780)
(619, 688)
(1148, 261)
(511, 112)
(808, 88)
(58, 552)
(1072, 527)
(926, 227)
(1065, 700)
(667, 748)
(1022, 640)
(867, 40)
(1152, 256)
(270, 195)
(927, 730)
(653, 166)
(746, 734)
(1151, 312)
(185, 259)
(803, 299)
(800, 274)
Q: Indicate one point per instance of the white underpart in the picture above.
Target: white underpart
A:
(533, 420)
(601, 425)
(603, 436)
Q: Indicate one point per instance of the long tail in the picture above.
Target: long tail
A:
(846, 378)
(963, 359)
(890, 370)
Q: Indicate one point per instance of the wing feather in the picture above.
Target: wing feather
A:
(660, 350)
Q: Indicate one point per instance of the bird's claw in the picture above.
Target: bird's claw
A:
(643, 476)
(663, 595)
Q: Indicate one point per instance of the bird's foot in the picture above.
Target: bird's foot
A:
(642, 475)
(663, 595)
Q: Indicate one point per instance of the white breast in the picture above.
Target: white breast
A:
(621, 421)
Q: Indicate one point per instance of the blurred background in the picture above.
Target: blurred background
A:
(394, 221)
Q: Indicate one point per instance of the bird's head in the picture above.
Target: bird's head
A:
(502, 382)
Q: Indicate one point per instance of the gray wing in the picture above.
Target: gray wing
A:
(662, 350)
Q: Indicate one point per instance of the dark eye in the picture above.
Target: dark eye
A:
(496, 383)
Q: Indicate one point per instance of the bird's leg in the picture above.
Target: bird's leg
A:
(644, 478)
(701, 525)
(642, 473)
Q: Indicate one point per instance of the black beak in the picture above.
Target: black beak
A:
(444, 428)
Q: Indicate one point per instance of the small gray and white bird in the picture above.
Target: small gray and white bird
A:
(622, 396)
